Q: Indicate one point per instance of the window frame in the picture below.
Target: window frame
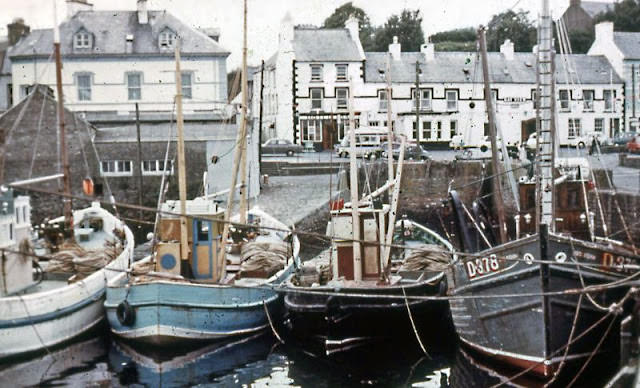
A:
(339, 76)
(610, 101)
(316, 99)
(116, 167)
(382, 101)
(574, 128)
(566, 101)
(82, 40)
(189, 87)
(587, 104)
(450, 107)
(166, 39)
(305, 130)
(427, 128)
(319, 77)
(453, 128)
(595, 124)
(342, 102)
(131, 88)
(156, 167)
(83, 88)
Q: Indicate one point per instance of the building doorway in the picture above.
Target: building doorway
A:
(527, 128)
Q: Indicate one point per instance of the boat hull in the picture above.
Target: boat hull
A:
(337, 322)
(530, 331)
(167, 312)
(35, 322)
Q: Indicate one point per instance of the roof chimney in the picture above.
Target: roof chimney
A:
(285, 37)
(575, 3)
(395, 49)
(143, 14)
(507, 49)
(428, 49)
(604, 32)
(353, 26)
(17, 29)
(75, 6)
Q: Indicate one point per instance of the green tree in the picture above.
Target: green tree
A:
(407, 27)
(341, 14)
(581, 41)
(458, 35)
(625, 16)
(515, 26)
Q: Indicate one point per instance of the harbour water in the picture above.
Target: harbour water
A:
(99, 360)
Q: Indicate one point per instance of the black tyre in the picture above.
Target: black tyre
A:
(125, 313)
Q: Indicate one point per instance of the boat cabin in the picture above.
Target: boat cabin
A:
(16, 270)
(204, 237)
(373, 224)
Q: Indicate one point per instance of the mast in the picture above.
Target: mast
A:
(219, 264)
(244, 190)
(418, 95)
(497, 188)
(182, 176)
(353, 169)
(389, 123)
(64, 159)
(545, 157)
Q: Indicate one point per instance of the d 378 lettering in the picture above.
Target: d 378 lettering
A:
(480, 267)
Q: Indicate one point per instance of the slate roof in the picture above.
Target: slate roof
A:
(628, 43)
(324, 44)
(594, 8)
(110, 29)
(465, 67)
(158, 133)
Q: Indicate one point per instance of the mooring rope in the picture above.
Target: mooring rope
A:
(413, 325)
(566, 350)
(273, 329)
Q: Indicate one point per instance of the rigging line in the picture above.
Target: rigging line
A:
(7, 136)
(413, 324)
(112, 200)
(521, 167)
(35, 142)
(81, 145)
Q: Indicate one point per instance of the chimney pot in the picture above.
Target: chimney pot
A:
(143, 14)
(16, 30)
(395, 49)
(507, 49)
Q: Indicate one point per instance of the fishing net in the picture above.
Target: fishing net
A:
(426, 257)
(263, 259)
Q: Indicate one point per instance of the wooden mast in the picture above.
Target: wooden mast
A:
(244, 190)
(353, 169)
(64, 159)
(182, 176)
(389, 123)
(497, 188)
(219, 263)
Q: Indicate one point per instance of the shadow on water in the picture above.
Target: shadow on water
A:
(261, 360)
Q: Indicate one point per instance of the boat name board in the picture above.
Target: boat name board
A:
(608, 261)
(485, 266)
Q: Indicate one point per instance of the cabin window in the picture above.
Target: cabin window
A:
(342, 98)
(574, 128)
(382, 100)
(316, 73)
(115, 167)
(564, 100)
(187, 81)
(203, 230)
(83, 82)
(598, 125)
(316, 98)
(452, 100)
(157, 167)
(587, 97)
(608, 100)
(82, 40)
(341, 72)
(134, 86)
(311, 130)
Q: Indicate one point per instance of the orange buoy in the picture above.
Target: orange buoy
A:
(87, 186)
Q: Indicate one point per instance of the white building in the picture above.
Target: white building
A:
(306, 91)
(114, 59)
(622, 49)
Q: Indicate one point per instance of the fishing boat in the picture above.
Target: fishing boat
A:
(53, 285)
(548, 299)
(362, 290)
(210, 276)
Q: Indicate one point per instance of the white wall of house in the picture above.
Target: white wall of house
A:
(109, 89)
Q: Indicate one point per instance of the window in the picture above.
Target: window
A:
(439, 130)
(382, 100)
(452, 100)
(415, 131)
(453, 128)
(486, 129)
(312, 130)
(25, 90)
(115, 167)
(341, 72)
(608, 100)
(343, 127)
(82, 40)
(564, 100)
(316, 98)
(534, 98)
(425, 99)
(342, 98)
(84, 87)
(186, 85)
(574, 128)
(426, 130)
(598, 125)
(316, 73)
(587, 97)
(166, 39)
(134, 86)
(156, 167)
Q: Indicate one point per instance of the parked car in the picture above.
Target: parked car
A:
(280, 146)
(622, 138)
(368, 141)
(411, 151)
(456, 142)
(634, 144)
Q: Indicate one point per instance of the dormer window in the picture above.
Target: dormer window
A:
(82, 40)
(166, 39)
